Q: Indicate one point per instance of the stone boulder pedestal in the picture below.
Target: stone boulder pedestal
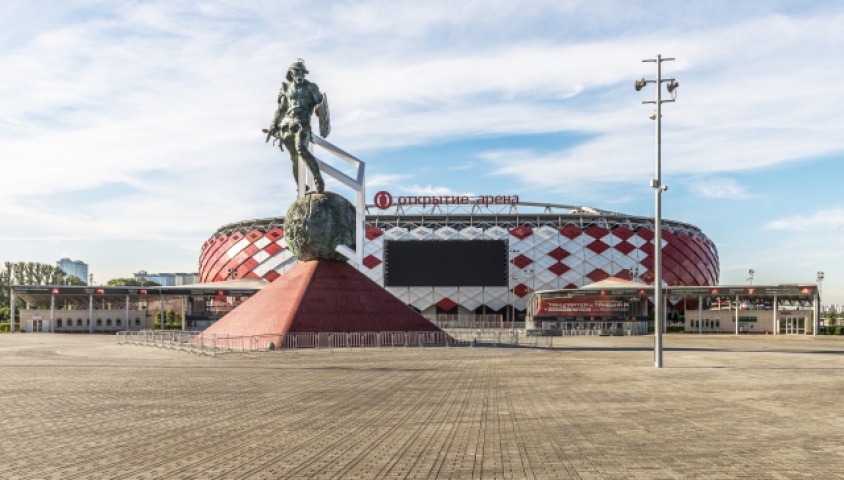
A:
(317, 223)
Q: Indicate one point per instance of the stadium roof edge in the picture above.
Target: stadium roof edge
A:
(548, 210)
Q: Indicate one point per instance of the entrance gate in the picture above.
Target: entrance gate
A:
(38, 325)
(792, 325)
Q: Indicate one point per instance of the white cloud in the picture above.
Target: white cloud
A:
(430, 190)
(719, 187)
(465, 166)
(386, 180)
(169, 98)
(823, 221)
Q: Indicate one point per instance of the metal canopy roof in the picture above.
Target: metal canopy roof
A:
(230, 288)
(783, 292)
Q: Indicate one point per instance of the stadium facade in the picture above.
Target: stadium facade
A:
(484, 254)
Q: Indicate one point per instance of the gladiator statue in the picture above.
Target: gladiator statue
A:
(297, 101)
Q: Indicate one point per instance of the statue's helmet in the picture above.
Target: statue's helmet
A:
(299, 64)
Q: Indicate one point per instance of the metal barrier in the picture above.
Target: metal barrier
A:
(391, 339)
(302, 340)
(512, 338)
(451, 321)
(201, 344)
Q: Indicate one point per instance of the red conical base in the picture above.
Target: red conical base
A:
(321, 296)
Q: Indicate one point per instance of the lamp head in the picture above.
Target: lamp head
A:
(640, 84)
(672, 85)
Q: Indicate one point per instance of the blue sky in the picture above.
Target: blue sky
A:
(130, 131)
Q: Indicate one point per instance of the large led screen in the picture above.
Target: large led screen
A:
(445, 263)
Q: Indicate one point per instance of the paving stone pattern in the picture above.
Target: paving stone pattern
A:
(79, 407)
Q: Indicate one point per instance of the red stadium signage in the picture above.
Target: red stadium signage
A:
(385, 200)
(573, 307)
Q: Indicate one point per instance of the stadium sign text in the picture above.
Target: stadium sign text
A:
(566, 307)
(385, 200)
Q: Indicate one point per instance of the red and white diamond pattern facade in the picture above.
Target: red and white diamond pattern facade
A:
(543, 255)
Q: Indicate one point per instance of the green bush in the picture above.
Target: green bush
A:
(5, 327)
(839, 330)
(156, 325)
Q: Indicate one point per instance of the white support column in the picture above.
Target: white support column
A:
(816, 314)
(52, 313)
(184, 311)
(699, 313)
(302, 182)
(127, 312)
(162, 295)
(358, 184)
(737, 310)
(776, 316)
(12, 308)
(90, 314)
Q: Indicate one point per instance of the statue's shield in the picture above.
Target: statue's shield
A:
(324, 116)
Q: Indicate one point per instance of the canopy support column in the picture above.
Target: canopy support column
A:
(12, 308)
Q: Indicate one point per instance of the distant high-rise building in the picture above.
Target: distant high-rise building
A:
(187, 278)
(77, 268)
(169, 279)
(831, 308)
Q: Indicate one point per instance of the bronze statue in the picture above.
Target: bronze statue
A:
(297, 101)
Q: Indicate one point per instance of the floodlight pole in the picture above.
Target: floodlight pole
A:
(819, 305)
(656, 184)
(820, 284)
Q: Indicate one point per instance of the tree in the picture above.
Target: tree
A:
(74, 280)
(831, 319)
(33, 273)
(132, 282)
(28, 273)
(5, 281)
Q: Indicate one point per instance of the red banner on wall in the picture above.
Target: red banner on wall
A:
(574, 307)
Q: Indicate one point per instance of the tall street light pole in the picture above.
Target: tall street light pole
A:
(820, 305)
(656, 184)
(820, 284)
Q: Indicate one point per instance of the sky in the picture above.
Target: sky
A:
(131, 131)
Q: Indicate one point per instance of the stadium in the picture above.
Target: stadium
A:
(482, 255)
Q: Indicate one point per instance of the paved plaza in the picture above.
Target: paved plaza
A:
(80, 406)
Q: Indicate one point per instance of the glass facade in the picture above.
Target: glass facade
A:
(77, 268)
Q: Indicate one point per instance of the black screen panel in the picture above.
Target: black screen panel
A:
(445, 263)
